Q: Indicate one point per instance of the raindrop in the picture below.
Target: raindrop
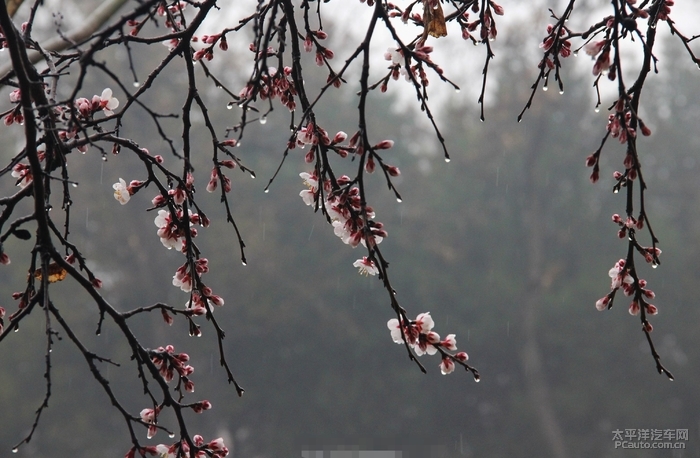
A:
(398, 199)
(575, 53)
(458, 90)
(244, 263)
(477, 378)
(267, 190)
(545, 88)
(654, 265)
(171, 435)
(447, 159)
(263, 120)
(50, 350)
(653, 25)
(137, 84)
(616, 190)
(104, 158)
(597, 110)
(229, 106)
(75, 185)
(16, 330)
(561, 91)
(14, 450)
(98, 333)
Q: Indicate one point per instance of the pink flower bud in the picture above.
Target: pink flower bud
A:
(462, 356)
(166, 317)
(369, 165)
(634, 308)
(384, 144)
(602, 303)
(340, 137)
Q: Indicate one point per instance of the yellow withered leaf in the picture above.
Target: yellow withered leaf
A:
(433, 20)
(56, 273)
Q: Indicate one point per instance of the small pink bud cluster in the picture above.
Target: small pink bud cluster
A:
(557, 42)
(168, 363)
(629, 224)
(271, 85)
(418, 334)
(215, 177)
(401, 65)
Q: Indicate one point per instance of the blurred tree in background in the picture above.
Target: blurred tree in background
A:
(507, 246)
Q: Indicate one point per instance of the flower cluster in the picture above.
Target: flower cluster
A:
(622, 279)
(105, 102)
(212, 449)
(401, 64)
(352, 220)
(418, 334)
(123, 192)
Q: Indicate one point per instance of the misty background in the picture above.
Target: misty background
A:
(508, 246)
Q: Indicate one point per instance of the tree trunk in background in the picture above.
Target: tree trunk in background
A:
(540, 278)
